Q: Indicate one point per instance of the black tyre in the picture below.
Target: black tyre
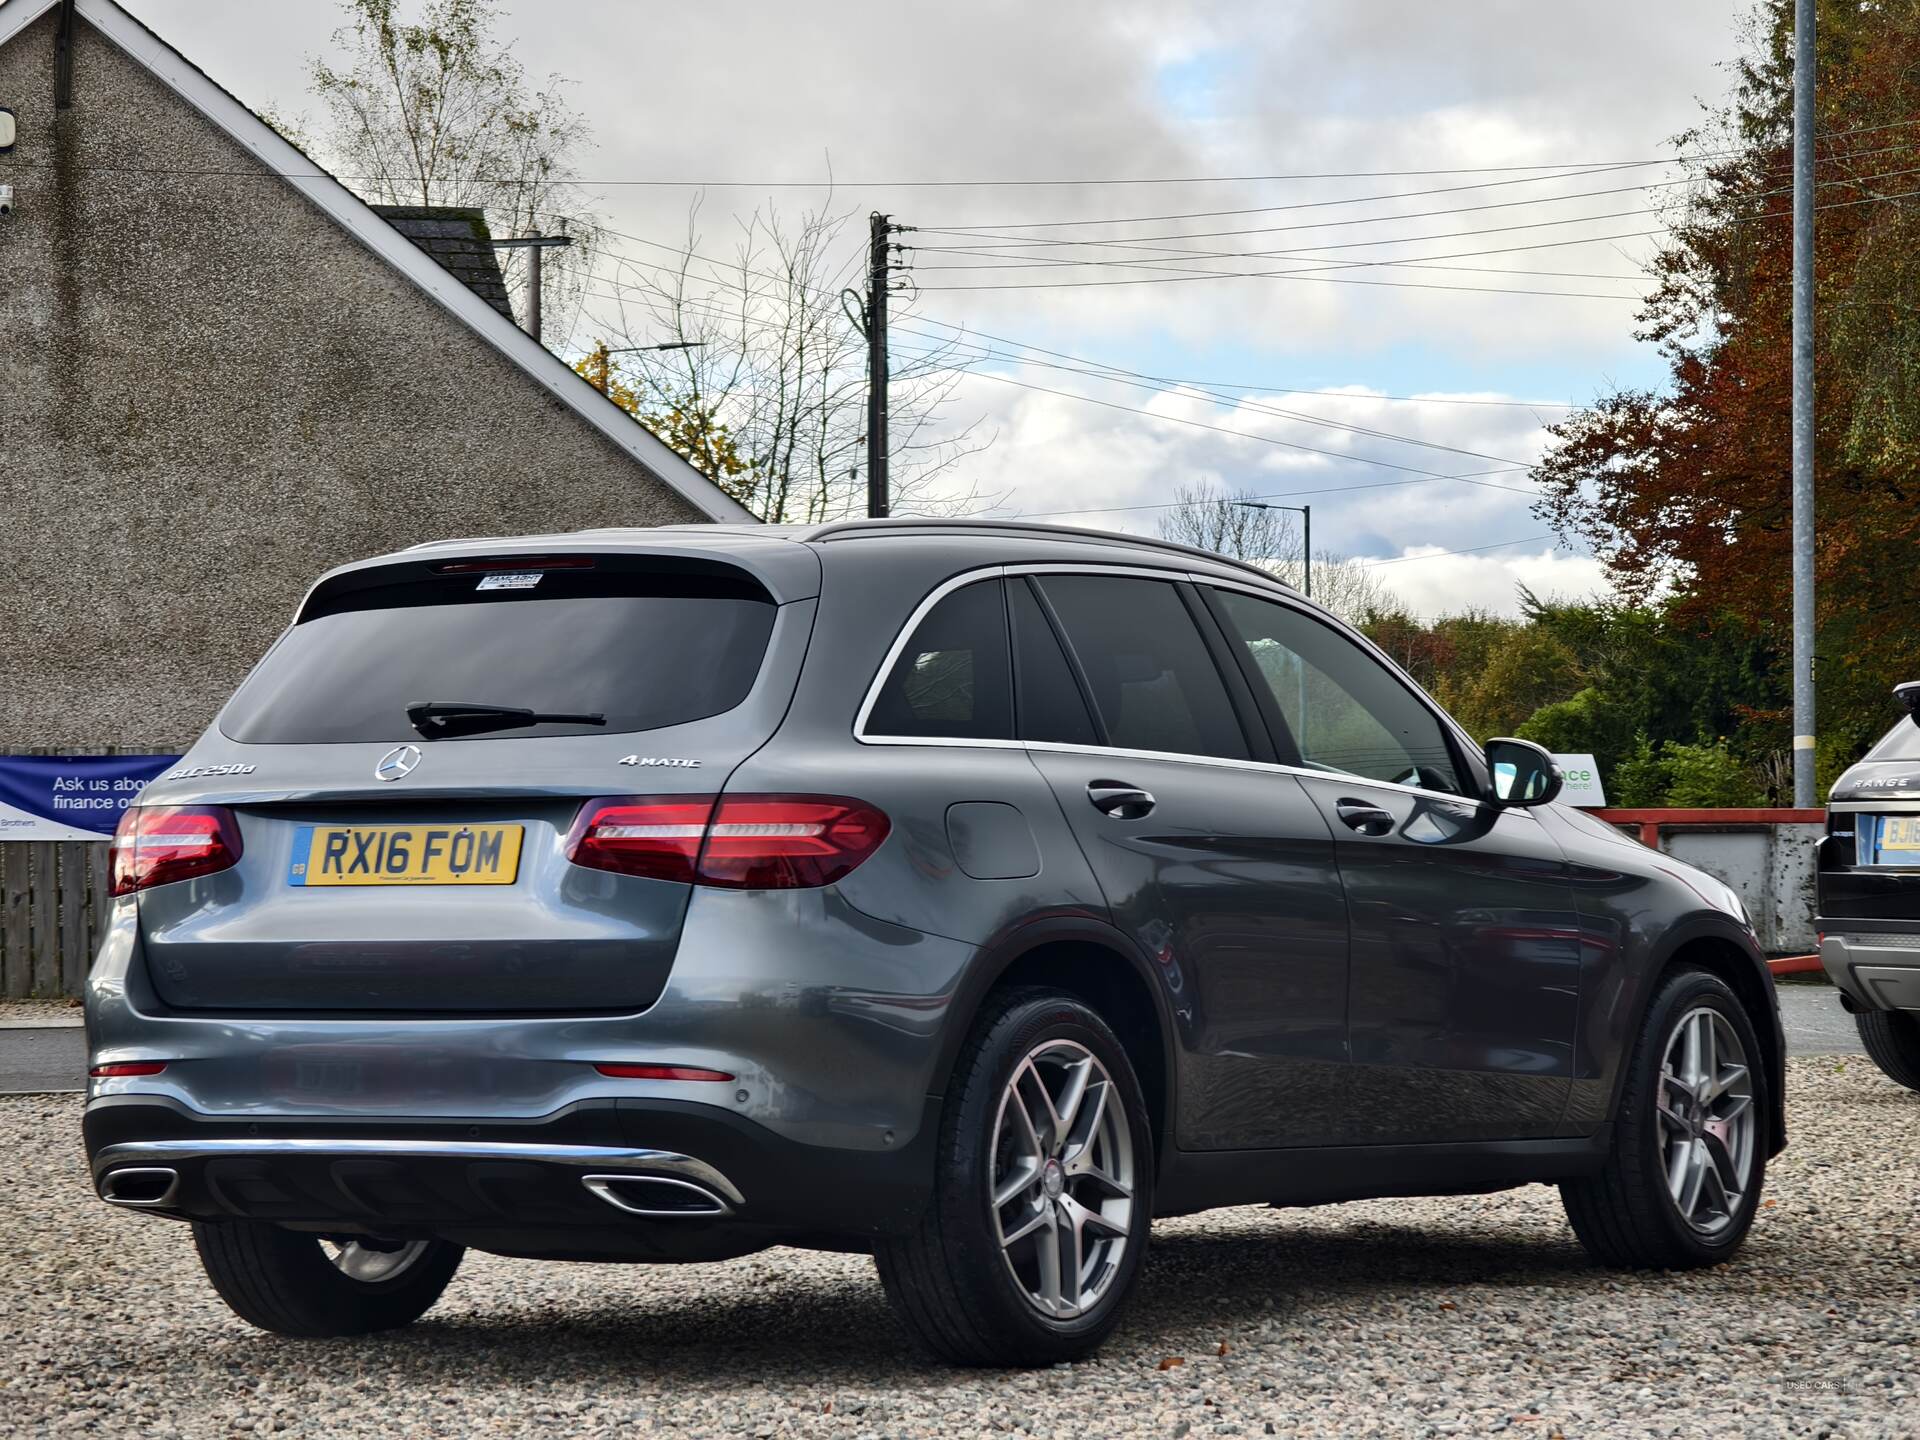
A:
(1690, 1139)
(1042, 1192)
(298, 1284)
(1892, 1038)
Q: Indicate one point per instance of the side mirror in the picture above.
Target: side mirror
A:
(1523, 773)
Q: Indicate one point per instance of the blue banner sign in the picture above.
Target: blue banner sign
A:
(71, 797)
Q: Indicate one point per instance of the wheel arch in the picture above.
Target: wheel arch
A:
(1730, 953)
(1094, 962)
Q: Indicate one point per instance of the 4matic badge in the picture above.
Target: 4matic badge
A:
(661, 762)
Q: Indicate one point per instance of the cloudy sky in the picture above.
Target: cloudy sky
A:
(1510, 117)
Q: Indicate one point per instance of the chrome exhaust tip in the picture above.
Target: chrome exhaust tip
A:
(657, 1196)
(141, 1187)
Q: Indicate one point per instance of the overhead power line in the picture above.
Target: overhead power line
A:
(1506, 466)
(1310, 272)
(967, 226)
(966, 330)
(1314, 275)
(1470, 478)
(1565, 174)
(1120, 375)
(1116, 375)
(1142, 241)
(996, 232)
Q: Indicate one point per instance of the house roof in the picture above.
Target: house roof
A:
(458, 238)
(360, 220)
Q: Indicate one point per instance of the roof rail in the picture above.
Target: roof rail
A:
(936, 525)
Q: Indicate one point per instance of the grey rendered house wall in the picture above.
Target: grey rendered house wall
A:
(210, 392)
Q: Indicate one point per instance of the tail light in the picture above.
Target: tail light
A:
(124, 1069)
(741, 842)
(158, 844)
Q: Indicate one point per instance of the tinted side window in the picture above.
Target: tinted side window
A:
(1153, 680)
(1346, 711)
(1049, 700)
(953, 680)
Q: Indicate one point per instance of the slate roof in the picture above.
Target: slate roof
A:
(459, 240)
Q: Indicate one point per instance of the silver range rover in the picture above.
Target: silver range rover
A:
(1869, 909)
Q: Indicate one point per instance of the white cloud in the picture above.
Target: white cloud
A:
(1084, 89)
(1445, 584)
(1106, 88)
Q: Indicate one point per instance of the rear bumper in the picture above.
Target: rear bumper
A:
(1877, 971)
(609, 1179)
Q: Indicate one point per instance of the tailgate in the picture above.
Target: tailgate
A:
(391, 864)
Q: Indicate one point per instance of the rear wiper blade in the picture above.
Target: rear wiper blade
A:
(442, 719)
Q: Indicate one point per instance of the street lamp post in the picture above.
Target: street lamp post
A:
(664, 345)
(605, 353)
(1306, 534)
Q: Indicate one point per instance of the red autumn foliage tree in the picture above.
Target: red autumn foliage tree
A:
(1687, 491)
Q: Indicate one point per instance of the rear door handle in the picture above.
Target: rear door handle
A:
(1120, 800)
(1364, 816)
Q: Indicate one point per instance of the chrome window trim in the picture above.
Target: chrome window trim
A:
(1414, 688)
(920, 612)
(946, 588)
(1171, 575)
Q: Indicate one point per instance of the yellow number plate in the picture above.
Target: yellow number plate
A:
(1900, 832)
(405, 855)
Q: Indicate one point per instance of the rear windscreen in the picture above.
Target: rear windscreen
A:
(1900, 743)
(641, 649)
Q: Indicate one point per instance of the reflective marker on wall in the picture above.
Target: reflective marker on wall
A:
(71, 797)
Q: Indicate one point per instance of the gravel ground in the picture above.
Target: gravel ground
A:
(1421, 1317)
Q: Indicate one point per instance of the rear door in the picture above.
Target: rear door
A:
(385, 868)
(1464, 989)
(1215, 861)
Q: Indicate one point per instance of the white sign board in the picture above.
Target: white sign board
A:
(1583, 782)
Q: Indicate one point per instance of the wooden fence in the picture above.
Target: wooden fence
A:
(53, 905)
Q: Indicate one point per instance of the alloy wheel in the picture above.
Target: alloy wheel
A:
(1707, 1119)
(371, 1261)
(1063, 1179)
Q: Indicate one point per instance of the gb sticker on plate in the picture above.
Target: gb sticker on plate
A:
(510, 580)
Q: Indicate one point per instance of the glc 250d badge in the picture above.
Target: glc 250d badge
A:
(397, 762)
(669, 762)
(197, 771)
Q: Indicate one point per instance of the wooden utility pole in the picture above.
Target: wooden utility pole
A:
(878, 269)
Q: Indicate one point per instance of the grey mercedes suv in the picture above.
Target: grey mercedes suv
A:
(968, 894)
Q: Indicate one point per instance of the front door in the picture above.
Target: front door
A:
(1216, 861)
(1463, 989)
